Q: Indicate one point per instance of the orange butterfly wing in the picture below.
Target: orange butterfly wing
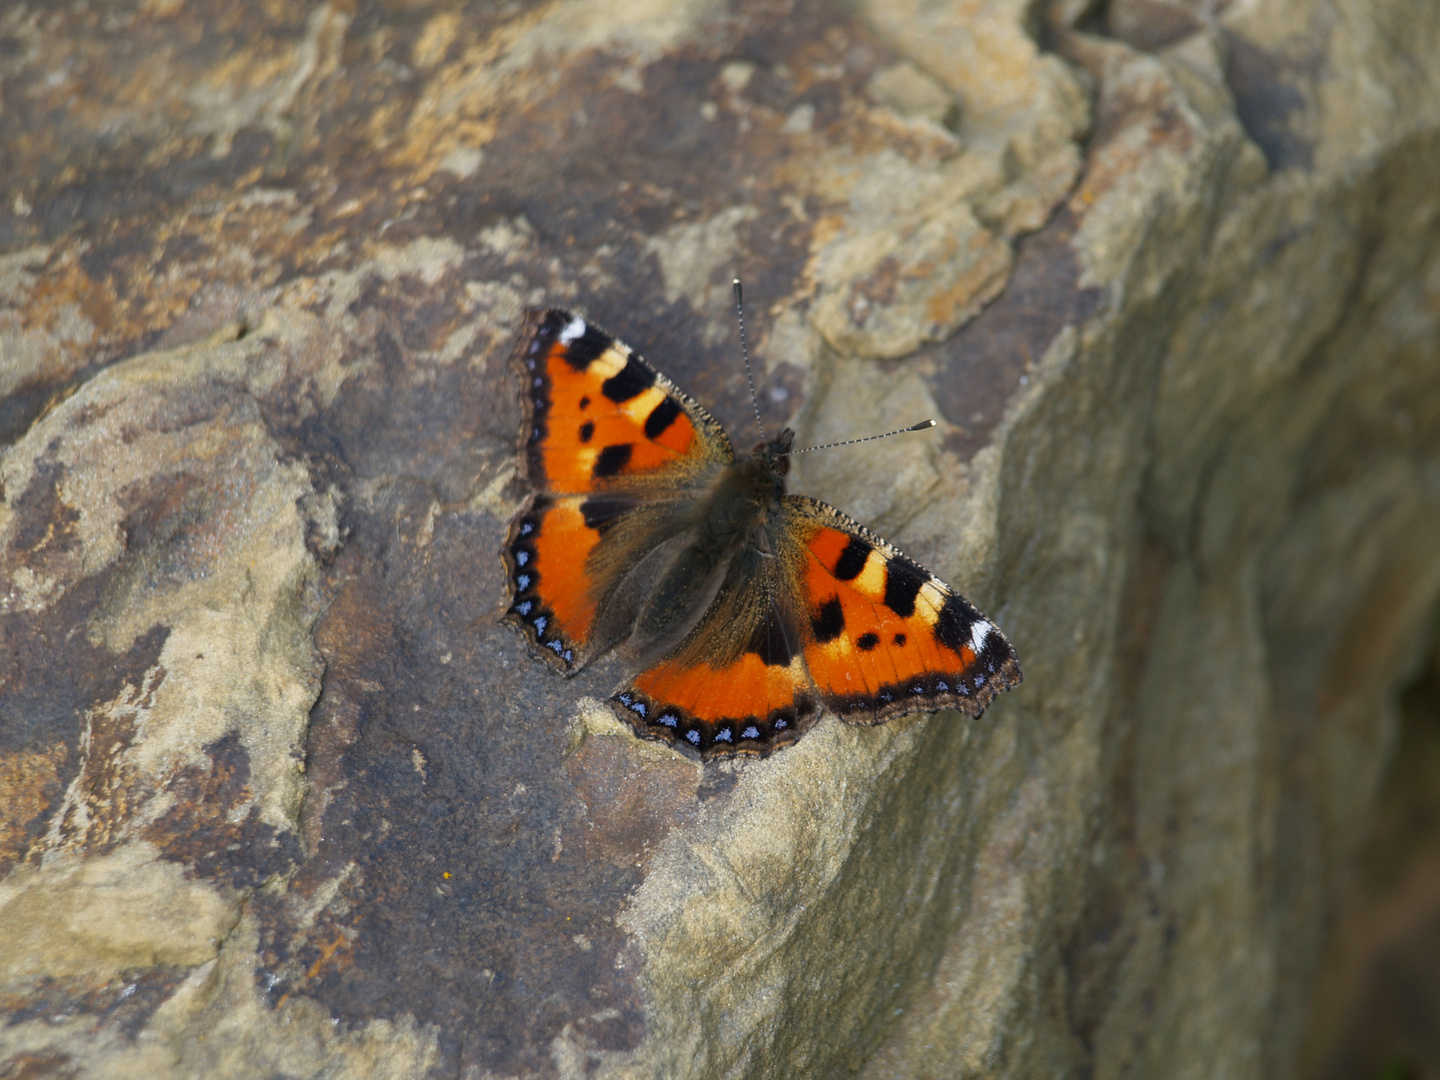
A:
(551, 598)
(737, 683)
(744, 707)
(598, 416)
(612, 448)
(884, 636)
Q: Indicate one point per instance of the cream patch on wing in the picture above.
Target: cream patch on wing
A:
(639, 407)
(871, 579)
(930, 601)
(608, 363)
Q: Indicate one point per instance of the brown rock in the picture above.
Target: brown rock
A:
(283, 798)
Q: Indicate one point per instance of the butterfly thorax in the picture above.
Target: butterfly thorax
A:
(750, 484)
(745, 495)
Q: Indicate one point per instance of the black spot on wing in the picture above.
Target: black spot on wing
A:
(829, 621)
(769, 641)
(587, 430)
(902, 585)
(612, 459)
(586, 349)
(866, 642)
(601, 511)
(852, 559)
(952, 629)
(634, 378)
(899, 641)
(996, 652)
(661, 417)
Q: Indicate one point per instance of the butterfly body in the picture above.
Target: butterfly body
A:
(743, 608)
(732, 514)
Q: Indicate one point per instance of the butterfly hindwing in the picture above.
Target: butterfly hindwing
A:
(575, 568)
(737, 683)
(552, 601)
(884, 636)
(745, 707)
(598, 416)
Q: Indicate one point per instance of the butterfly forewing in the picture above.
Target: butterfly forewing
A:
(598, 416)
(884, 636)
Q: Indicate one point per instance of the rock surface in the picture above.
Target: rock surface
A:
(282, 797)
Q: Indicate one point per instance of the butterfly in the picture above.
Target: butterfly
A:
(743, 609)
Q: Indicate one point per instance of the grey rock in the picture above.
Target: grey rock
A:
(283, 798)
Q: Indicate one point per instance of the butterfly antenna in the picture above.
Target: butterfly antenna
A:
(749, 378)
(923, 425)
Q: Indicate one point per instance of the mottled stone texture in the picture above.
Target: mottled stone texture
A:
(281, 798)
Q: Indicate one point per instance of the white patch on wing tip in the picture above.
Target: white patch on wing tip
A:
(573, 329)
(979, 631)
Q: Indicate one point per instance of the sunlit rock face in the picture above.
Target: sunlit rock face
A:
(281, 795)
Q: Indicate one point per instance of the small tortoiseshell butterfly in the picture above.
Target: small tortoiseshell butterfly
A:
(744, 608)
